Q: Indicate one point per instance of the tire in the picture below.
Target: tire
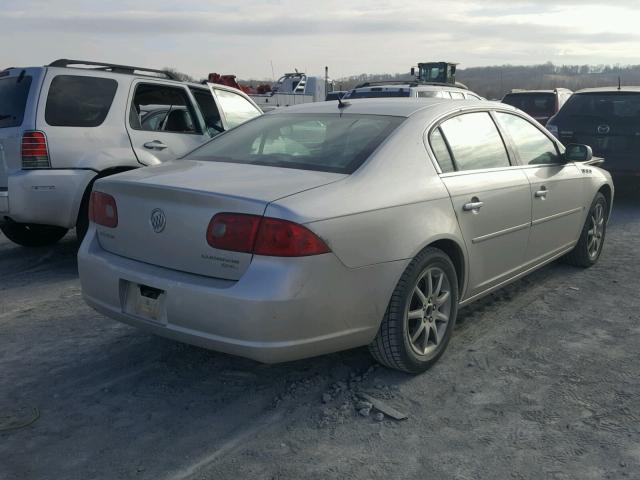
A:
(30, 235)
(82, 223)
(585, 253)
(393, 345)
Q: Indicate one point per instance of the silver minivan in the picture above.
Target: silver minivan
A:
(66, 124)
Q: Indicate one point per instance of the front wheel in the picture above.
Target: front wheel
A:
(31, 235)
(420, 317)
(589, 246)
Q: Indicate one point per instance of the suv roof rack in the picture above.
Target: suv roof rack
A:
(411, 83)
(110, 67)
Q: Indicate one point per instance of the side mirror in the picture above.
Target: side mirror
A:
(576, 152)
(413, 71)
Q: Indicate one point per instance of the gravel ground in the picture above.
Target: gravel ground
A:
(541, 380)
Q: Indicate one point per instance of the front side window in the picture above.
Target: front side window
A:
(533, 146)
(209, 110)
(161, 108)
(475, 142)
(324, 142)
(236, 108)
(14, 92)
(79, 101)
(428, 93)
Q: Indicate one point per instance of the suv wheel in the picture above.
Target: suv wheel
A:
(421, 314)
(30, 235)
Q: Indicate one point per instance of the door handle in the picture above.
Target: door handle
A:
(542, 193)
(155, 145)
(474, 204)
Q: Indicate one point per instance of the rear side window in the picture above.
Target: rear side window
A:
(401, 92)
(428, 93)
(533, 146)
(475, 142)
(441, 151)
(14, 92)
(457, 95)
(75, 101)
(236, 108)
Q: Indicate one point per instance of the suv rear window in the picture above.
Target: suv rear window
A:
(14, 92)
(535, 104)
(619, 106)
(321, 142)
(79, 101)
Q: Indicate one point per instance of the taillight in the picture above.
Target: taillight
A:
(103, 209)
(233, 231)
(34, 150)
(263, 236)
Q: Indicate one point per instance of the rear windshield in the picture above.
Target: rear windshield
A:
(403, 92)
(324, 142)
(14, 92)
(79, 101)
(535, 104)
(622, 106)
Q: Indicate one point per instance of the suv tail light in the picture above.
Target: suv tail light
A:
(103, 209)
(34, 150)
(274, 237)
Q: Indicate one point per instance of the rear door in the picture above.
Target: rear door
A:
(164, 121)
(19, 89)
(491, 198)
(556, 188)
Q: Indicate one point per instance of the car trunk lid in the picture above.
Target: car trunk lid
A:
(164, 211)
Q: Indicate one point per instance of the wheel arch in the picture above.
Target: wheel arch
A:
(607, 191)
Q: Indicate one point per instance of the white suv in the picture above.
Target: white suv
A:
(64, 125)
(410, 89)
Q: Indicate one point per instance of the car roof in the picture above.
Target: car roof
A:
(393, 106)
(610, 89)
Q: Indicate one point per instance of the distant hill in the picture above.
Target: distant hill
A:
(495, 81)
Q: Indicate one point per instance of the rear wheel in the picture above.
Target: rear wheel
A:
(589, 246)
(420, 317)
(30, 235)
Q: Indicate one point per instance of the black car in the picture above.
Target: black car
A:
(540, 104)
(607, 119)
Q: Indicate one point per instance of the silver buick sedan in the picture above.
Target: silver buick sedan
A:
(327, 226)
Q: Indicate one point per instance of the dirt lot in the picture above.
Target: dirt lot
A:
(541, 380)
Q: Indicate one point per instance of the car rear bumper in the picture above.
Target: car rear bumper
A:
(47, 197)
(280, 310)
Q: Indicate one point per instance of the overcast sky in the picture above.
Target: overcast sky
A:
(350, 36)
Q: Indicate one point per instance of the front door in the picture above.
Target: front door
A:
(163, 122)
(490, 197)
(556, 188)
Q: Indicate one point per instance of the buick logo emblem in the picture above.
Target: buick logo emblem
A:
(158, 220)
(603, 129)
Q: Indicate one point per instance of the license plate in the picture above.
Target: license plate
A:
(146, 302)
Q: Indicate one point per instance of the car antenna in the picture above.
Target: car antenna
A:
(619, 83)
(342, 104)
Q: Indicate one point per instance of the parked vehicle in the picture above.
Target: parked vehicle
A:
(540, 104)
(328, 226)
(63, 126)
(410, 89)
(292, 89)
(607, 119)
